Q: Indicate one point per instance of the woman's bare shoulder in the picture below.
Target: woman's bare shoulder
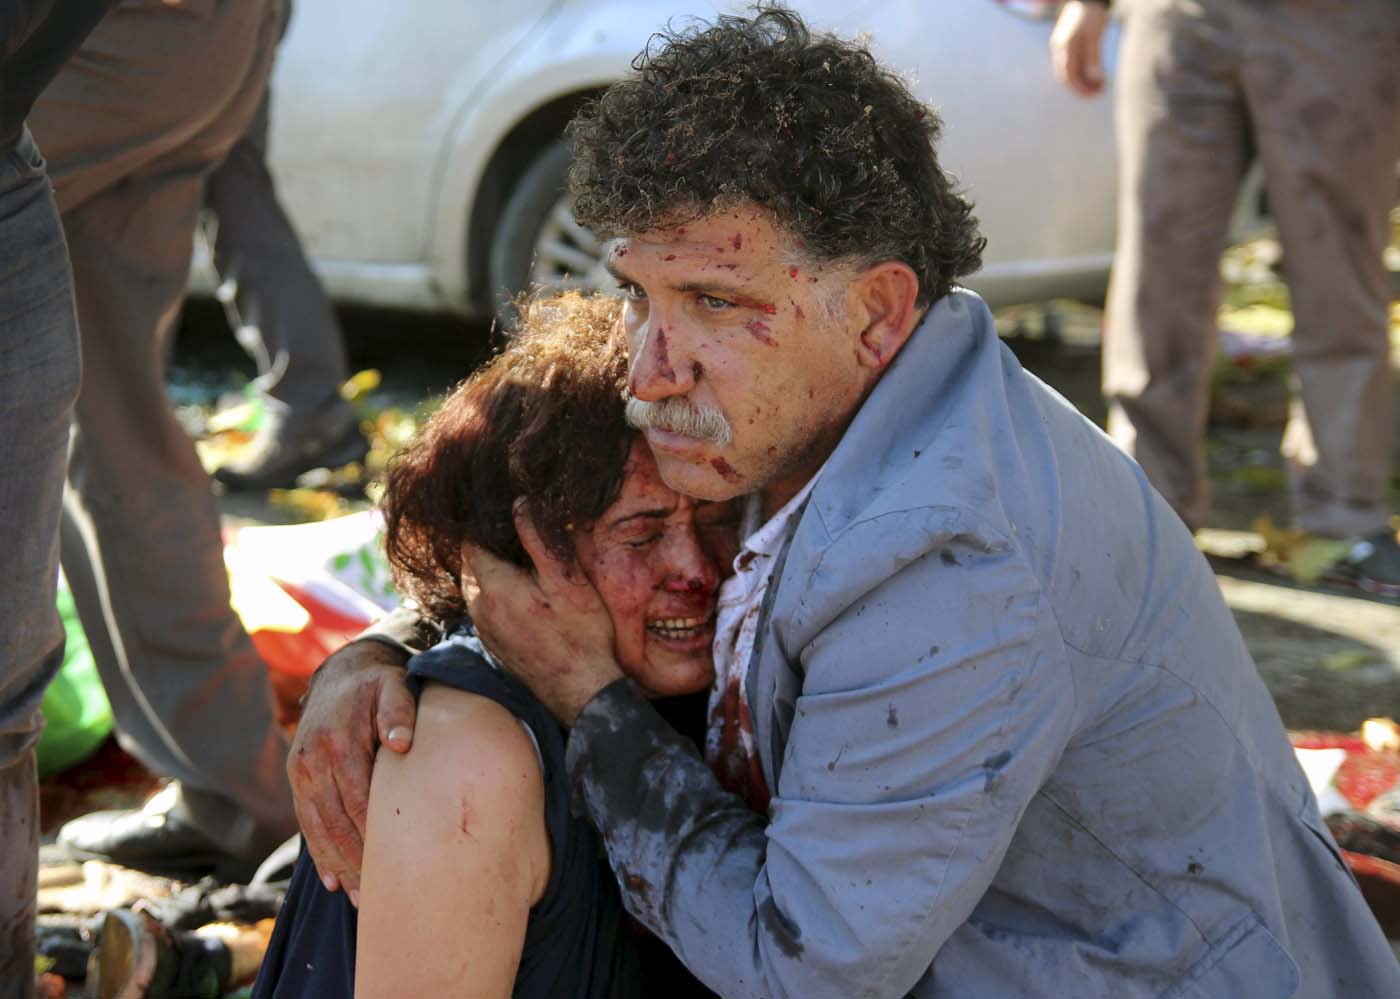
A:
(469, 740)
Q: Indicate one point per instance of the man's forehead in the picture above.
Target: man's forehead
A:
(719, 224)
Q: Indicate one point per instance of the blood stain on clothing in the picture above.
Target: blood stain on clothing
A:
(726, 470)
(992, 767)
(785, 933)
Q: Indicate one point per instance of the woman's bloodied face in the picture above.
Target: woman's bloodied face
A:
(654, 557)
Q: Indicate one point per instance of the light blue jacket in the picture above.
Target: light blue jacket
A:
(1017, 745)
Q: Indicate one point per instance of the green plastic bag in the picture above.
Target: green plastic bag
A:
(76, 713)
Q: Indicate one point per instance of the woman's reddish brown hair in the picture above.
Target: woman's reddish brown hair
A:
(543, 420)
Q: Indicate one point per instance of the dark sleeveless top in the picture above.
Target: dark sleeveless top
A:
(577, 943)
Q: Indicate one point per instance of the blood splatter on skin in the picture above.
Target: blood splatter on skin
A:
(797, 310)
(669, 257)
(737, 241)
(696, 370)
(663, 356)
(752, 303)
(792, 272)
(696, 585)
(726, 470)
(760, 331)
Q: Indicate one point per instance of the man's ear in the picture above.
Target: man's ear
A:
(886, 295)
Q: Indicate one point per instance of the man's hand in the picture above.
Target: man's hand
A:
(358, 701)
(552, 630)
(1076, 46)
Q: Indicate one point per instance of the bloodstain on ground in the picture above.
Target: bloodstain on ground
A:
(663, 356)
(760, 331)
(726, 470)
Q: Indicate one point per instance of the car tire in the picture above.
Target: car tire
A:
(537, 241)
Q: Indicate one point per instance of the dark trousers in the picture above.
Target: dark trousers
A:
(280, 311)
(133, 127)
(38, 383)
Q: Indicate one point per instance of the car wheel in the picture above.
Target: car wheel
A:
(538, 243)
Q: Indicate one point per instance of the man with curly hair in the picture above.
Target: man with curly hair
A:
(982, 723)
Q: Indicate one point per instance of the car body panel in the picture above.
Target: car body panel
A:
(387, 117)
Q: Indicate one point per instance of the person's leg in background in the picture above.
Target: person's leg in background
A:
(130, 153)
(281, 316)
(1183, 149)
(1323, 85)
(39, 370)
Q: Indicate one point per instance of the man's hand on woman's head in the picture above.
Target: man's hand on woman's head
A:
(358, 702)
(551, 630)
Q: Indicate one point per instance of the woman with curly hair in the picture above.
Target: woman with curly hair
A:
(477, 880)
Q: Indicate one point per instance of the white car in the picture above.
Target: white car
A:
(418, 144)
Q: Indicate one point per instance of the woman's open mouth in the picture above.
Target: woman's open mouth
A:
(680, 629)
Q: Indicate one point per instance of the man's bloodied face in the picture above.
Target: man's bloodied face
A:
(654, 557)
(748, 350)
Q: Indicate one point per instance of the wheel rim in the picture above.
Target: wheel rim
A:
(567, 255)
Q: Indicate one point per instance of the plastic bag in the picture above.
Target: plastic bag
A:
(76, 713)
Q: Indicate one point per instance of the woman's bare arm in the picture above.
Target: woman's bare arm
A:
(456, 853)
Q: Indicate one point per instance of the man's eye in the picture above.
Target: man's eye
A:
(632, 292)
(714, 304)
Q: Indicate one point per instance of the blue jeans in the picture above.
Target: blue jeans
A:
(39, 373)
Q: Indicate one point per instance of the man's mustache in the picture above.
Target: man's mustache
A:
(680, 416)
